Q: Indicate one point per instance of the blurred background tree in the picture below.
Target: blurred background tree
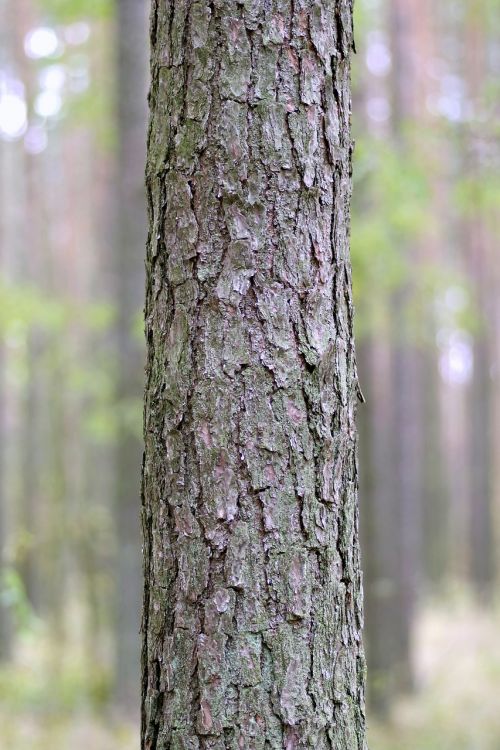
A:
(426, 275)
(426, 208)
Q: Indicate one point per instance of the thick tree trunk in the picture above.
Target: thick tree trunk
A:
(252, 607)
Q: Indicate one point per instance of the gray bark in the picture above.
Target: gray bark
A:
(252, 604)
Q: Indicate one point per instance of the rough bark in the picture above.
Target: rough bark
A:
(252, 605)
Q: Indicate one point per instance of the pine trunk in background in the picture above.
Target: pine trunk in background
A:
(30, 499)
(130, 239)
(5, 619)
(391, 484)
(10, 192)
(436, 511)
(480, 401)
(379, 515)
(436, 504)
(252, 605)
(408, 492)
(405, 16)
(480, 436)
(5, 624)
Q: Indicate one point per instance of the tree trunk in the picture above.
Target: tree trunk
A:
(481, 392)
(130, 237)
(5, 618)
(252, 606)
(436, 511)
(379, 517)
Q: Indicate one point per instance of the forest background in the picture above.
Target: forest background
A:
(425, 227)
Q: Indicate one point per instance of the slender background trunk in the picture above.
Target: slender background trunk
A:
(130, 238)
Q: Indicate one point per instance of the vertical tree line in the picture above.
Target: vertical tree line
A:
(73, 231)
(251, 369)
(130, 239)
(427, 351)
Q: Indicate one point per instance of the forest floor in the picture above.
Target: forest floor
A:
(50, 699)
(455, 706)
(82, 732)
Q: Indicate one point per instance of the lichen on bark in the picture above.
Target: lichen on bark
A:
(252, 605)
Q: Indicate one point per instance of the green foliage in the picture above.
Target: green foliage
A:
(442, 300)
(130, 415)
(100, 424)
(24, 306)
(364, 16)
(389, 214)
(137, 328)
(66, 11)
(479, 194)
(58, 325)
(99, 316)
(13, 598)
(94, 108)
(41, 691)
